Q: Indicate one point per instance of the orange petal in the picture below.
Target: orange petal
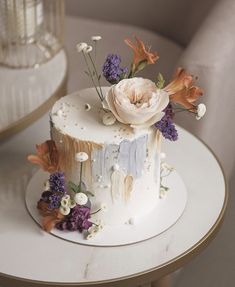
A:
(42, 148)
(180, 80)
(37, 160)
(194, 93)
(181, 98)
(48, 223)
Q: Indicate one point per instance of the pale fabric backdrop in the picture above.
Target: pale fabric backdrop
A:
(206, 31)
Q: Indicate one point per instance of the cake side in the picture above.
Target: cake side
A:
(123, 168)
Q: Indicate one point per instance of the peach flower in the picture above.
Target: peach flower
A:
(137, 102)
(47, 156)
(50, 217)
(142, 53)
(182, 90)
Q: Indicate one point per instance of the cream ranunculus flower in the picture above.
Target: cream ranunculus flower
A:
(137, 102)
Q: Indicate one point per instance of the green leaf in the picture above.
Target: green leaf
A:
(89, 193)
(73, 187)
(141, 65)
(132, 71)
(160, 81)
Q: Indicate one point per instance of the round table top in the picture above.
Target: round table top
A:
(26, 94)
(32, 257)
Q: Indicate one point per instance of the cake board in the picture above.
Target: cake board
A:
(167, 212)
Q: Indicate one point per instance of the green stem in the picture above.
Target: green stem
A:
(183, 110)
(94, 67)
(96, 211)
(80, 181)
(95, 224)
(95, 50)
(92, 76)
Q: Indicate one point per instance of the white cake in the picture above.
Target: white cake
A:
(123, 169)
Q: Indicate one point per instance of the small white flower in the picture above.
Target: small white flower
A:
(96, 38)
(80, 198)
(201, 110)
(89, 236)
(98, 222)
(87, 50)
(81, 46)
(166, 167)
(100, 227)
(65, 201)
(93, 229)
(64, 210)
(131, 221)
(103, 207)
(72, 203)
(108, 119)
(163, 192)
(81, 156)
(46, 185)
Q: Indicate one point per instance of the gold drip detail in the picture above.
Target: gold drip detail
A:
(68, 147)
(128, 187)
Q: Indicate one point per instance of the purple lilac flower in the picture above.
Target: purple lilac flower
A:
(112, 71)
(76, 220)
(166, 125)
(57, 190)
(54, 200)
(57, 182)
(169, 111)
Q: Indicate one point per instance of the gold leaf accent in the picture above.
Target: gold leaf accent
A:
(68, 147)
(128, 186)
(117, 184)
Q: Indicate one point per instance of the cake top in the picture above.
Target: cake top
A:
(80, 115)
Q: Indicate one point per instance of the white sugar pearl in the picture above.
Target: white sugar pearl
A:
(162, 155)
(116, 166)
(131, 221)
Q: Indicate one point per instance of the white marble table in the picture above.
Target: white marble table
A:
(31, 257)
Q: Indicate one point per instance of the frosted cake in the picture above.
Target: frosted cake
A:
(104, 155)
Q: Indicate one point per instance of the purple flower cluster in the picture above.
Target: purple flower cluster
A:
(57, 182)
(56, 192)
(166, 125)
(78, 219)
(112, 71)
(52, 198)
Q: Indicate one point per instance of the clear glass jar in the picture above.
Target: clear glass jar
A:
(31, 31)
